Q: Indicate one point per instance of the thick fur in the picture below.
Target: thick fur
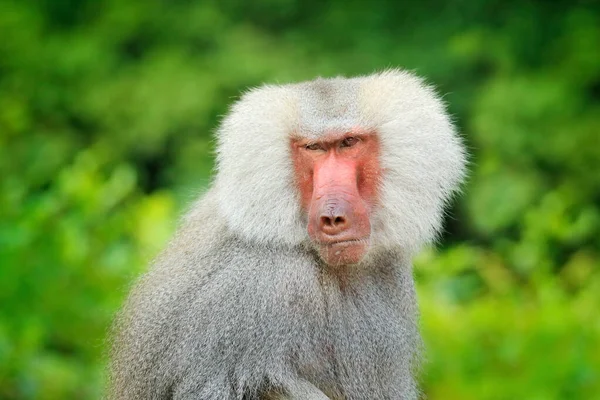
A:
(240, 307)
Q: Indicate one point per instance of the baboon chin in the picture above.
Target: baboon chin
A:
(291, 276)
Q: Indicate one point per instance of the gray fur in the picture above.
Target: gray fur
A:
(240, 307)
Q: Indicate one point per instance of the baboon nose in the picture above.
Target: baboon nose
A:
(334, 223)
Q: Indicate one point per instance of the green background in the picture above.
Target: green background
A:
(106, 115)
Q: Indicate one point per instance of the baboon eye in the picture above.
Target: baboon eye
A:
(349, 142)
(313, 146)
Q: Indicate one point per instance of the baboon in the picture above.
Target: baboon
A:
(291, 277)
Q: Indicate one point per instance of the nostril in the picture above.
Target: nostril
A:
(332, 222)
(326, 221)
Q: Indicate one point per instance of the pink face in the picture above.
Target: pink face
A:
(338, 180)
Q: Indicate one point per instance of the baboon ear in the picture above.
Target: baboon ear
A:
(422, 157)
(255, 180)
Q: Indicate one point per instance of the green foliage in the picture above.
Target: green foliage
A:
(106, 113)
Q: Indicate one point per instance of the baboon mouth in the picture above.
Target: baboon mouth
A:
(345, 242)
(341, 252)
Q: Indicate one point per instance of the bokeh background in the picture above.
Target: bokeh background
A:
(107, 108)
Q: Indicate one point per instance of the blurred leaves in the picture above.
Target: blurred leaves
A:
(106, 114)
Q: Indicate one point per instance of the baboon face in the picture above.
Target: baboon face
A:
(352, 167)
(337, 177)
